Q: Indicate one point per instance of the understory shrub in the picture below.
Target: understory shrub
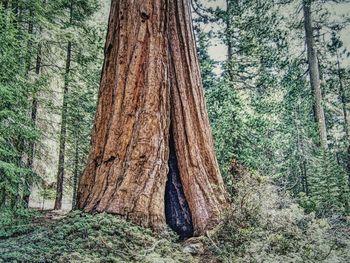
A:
(264, 224)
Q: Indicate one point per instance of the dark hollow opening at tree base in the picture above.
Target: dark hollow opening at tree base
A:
(177, 211)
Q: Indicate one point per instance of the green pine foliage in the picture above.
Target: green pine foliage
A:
(84, 88)
(87, 58)
(262, 115)
(33, 40)
(16, 129)
(229, 126)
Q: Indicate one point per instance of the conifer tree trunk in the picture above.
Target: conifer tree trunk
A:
(34, 112)
(301, 152)
(76, 169)
(151, 82)
(231, 5)
(63, 133)
(314, 74)
(26, 181)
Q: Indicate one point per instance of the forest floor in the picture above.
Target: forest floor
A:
(262, 225)
(77, 237)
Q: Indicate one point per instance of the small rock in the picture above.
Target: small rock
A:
(194, 248)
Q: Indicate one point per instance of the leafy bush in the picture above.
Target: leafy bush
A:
(265, 225)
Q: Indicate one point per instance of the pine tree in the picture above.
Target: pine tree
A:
(16, 130)
(78, 12)
(314, 73)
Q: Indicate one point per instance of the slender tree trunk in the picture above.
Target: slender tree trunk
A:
(34, 122)
(30, 42)
(150, 79)
(76, 170)
(231, 5)
(63, 132)
(16, 198)
(303, 167)
(301, 153)
(35, 106)
(26, 179)
(314, 74)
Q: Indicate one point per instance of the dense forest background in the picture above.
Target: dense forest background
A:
(278, 156)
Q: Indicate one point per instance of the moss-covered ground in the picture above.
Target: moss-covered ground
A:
(79, 237)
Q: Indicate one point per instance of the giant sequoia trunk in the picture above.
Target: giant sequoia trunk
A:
(151, 89)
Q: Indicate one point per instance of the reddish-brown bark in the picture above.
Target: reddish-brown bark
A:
(150, 79)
